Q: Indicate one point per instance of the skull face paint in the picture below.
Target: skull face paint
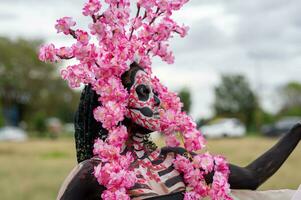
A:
(144, 104)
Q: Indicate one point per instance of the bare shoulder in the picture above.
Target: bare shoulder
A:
(81, 183)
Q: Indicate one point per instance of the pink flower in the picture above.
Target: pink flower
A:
(177, 4)
(115, 194)
(182, 30)
(172, 141)
(221, 165)
(204, 161)
(111, 89)
(122, 179)
(64, 25)
(194, 141)
(98, 28)
(48, 53)
(118, 136)
(105, 151)
(65, 52)
(109, 114)
(126, 160)
(192, 177)
(85, 53)
(147, 4)
(92, 7)
(182, 164)
(191, 196)
(82, 37)
(77, 74)
(220, 187)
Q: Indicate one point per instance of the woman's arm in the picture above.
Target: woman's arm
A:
(260, 170)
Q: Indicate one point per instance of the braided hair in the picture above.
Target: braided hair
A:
(87, 129)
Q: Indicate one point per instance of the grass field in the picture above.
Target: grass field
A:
(34, 170)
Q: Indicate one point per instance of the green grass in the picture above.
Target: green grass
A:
(34, 170)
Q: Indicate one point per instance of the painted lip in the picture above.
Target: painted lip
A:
(155, 115)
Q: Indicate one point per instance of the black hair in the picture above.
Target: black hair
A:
(87, 129)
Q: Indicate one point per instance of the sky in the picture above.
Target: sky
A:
(259, 39)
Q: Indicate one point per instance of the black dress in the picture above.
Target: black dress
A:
(174, 196)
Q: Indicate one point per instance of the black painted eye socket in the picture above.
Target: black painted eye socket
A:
(143, 92)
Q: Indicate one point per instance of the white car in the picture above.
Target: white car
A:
(227, 127)
(10, 133)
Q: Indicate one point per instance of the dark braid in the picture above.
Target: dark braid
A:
(87, 129)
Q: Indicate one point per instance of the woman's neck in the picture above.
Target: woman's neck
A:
(139, 142)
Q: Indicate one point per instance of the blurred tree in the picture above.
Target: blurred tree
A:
(234, 98)
(30, 86)
(185, 97)
(291, 96)
(1, 116)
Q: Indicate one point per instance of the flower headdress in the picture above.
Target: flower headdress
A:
(121, 38)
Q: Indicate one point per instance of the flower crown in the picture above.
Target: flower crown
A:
(114, 41)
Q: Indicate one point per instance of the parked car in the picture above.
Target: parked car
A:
(227, 127)
(10, 133)
(280, 127)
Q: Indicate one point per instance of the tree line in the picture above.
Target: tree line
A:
(234, 97)
(32, 91)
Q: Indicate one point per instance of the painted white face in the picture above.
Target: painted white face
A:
(144, 103)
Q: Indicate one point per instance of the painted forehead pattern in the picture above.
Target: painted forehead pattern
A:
(142, 77)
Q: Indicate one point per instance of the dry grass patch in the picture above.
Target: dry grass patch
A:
(35, 170)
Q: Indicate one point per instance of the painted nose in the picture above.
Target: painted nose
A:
(157, 101)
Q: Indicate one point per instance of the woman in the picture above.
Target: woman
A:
(157, 177)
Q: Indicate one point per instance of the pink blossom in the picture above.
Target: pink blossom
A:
(92, 7)
(191, 196)
(118, 136)
(204, 161)
(82, 37)
(147, 4)
(109, 114)
(85, 53)
(182, 30)
(194, 141)
(192, 177)
(182, 164)
(115, 195)
(65, 52)
(111, 89)
(48, 53)
(98, 28)
(64, 25)
(105, 151)
(122, 179)
(177, 4)
(77, 74)
(220, 187)
(172, 141)
(168, 121)
(221, 165)
(126, 160)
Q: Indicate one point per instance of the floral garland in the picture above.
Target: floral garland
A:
(122, 38)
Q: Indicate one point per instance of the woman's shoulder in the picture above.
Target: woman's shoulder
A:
(81, 183)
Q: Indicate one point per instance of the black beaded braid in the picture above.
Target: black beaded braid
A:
(87, 129)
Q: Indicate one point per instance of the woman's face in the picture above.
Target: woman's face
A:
(144, 104)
